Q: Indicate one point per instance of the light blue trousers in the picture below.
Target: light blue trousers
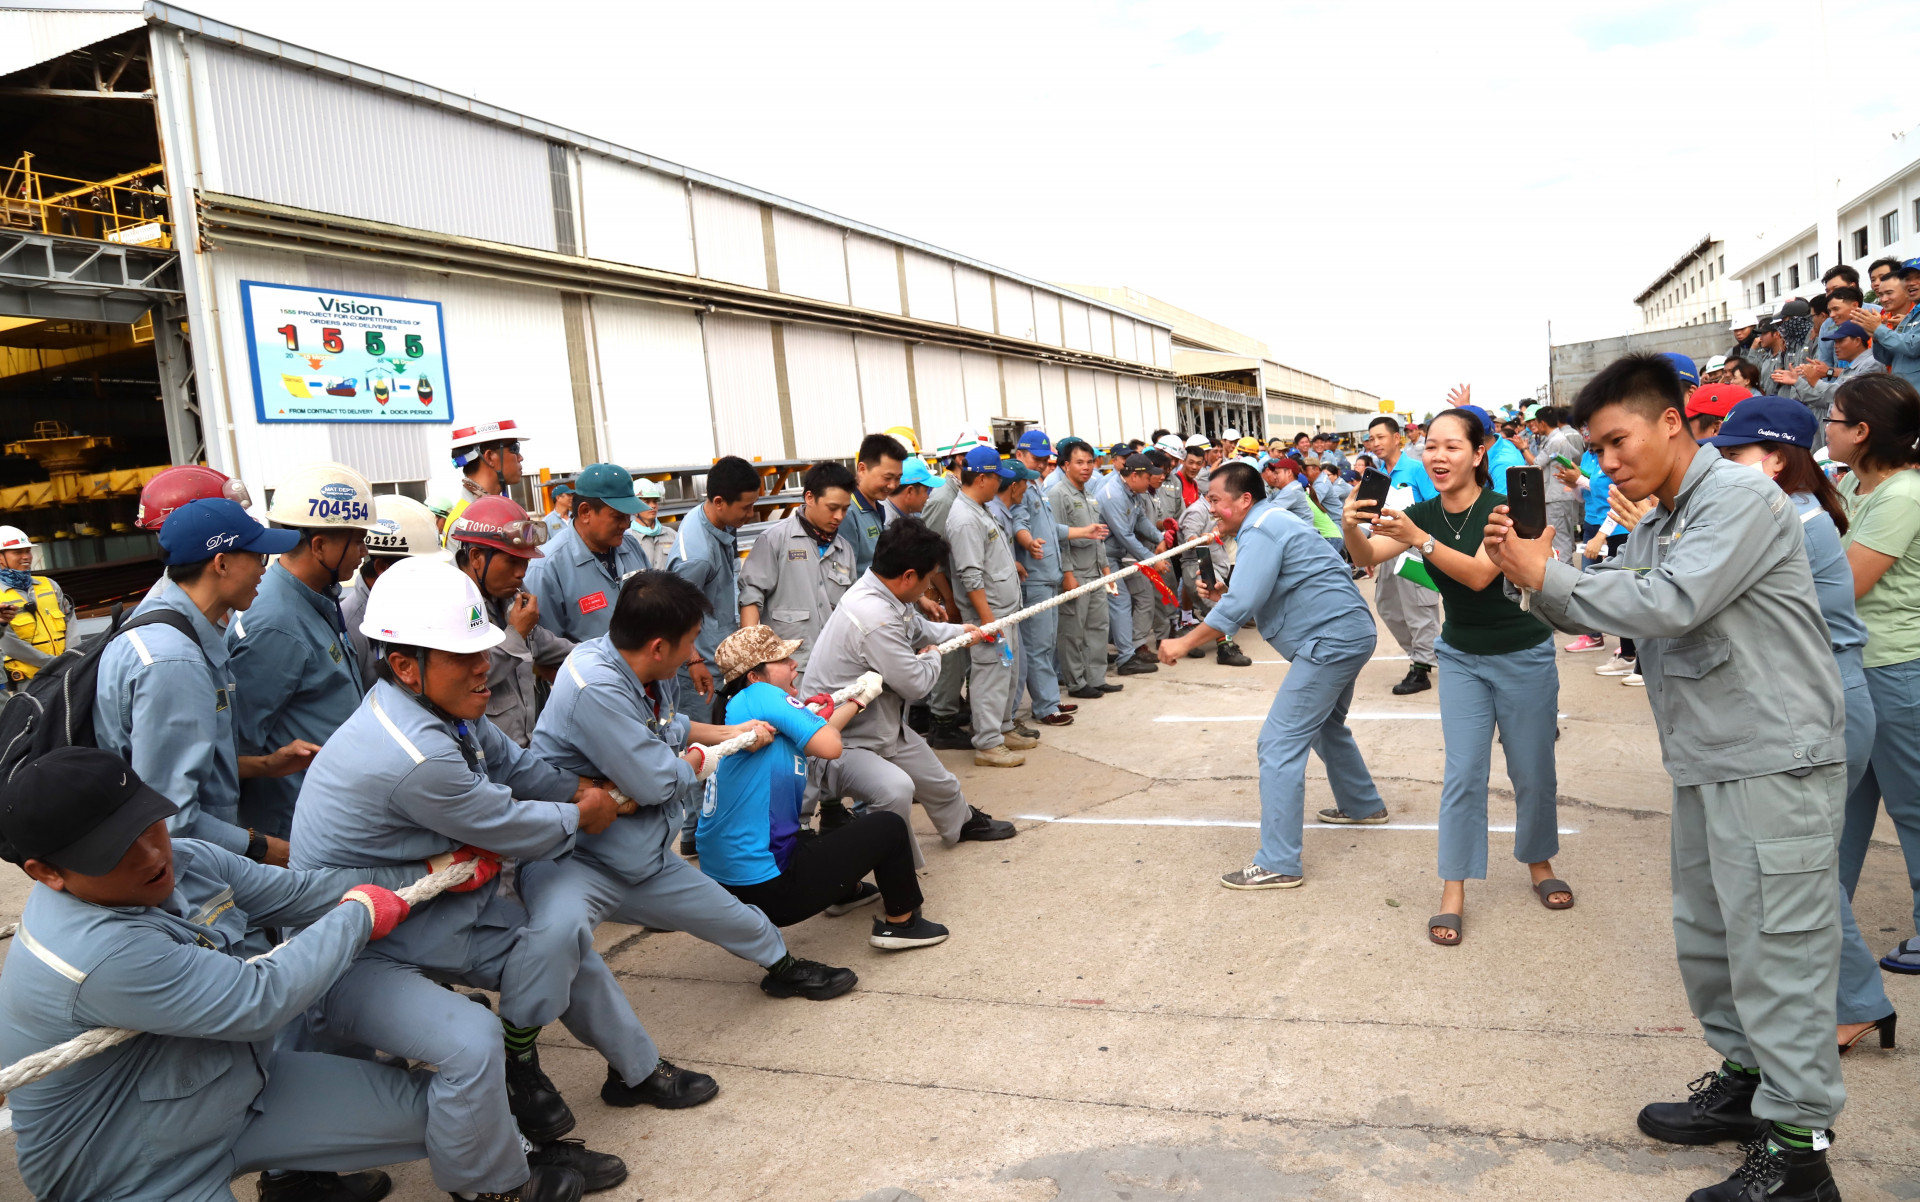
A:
(1310, 713)
(1893, 775)
(1038, 636)
(1518, 695)
(1863, 994)
(1119, 618)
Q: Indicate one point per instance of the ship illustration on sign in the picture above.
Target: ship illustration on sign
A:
(309, 388)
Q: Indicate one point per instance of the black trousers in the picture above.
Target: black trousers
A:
(827, 868)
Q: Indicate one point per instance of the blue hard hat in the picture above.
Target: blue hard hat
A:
(200, 530)
(1767, 419)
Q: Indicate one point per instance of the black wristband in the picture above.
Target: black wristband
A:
(256, 846)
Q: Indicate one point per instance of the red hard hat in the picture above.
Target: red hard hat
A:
(176, 486)
(500, 523)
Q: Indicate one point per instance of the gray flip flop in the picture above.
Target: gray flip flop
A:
(1449, 922)
(1551, 886)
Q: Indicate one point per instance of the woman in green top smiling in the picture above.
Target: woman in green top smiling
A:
(1873, 426)
(1496, 670)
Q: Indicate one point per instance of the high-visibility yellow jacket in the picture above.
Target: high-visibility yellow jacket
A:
(40, 622)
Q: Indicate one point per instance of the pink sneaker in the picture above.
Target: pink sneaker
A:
(1587, 642)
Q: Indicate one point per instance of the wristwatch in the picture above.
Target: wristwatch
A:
(1426, 548)
(256, 846)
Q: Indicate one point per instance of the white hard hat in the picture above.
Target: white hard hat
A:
(323, 496)
(1197, 442)
(651, 490)
(404, 527)
(963, 441)
(12, 538)
(422, 602)
(1171, 444)
(482, 433)
(1230, 435)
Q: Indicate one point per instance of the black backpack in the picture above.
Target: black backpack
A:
(55, 708)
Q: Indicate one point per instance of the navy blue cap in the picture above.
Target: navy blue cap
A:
(1846, 329)
(1035, 442)
(1684, 365)
(1767, 419)
(200, 530)
(1119, 450)
(1486, 419)
(986, 459)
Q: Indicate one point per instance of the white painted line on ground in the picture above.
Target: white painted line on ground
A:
(1312, 826)
(6, 1118)
(1381, 716)
(1378, 659)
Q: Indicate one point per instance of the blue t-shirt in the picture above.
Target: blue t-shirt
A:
(751, 815)
(1502, 456)
(1409, 472)
(1598, 486)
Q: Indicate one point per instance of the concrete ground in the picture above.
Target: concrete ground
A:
(1108, 1024)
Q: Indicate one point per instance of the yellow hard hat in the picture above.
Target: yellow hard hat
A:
(906, 435)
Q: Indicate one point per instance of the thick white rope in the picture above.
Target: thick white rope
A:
(999, 624)
(28, 1069)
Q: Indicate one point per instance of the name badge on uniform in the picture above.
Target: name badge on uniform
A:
(333, 649)
(219, 700)
(799, 555)
(593, 603)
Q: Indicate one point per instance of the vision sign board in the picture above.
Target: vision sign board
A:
(323, 355)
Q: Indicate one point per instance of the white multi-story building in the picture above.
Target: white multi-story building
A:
(1695, 290)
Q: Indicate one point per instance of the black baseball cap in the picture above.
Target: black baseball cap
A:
(78, 808)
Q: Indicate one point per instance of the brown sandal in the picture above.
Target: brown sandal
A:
(1552, 885)
(1446, 922)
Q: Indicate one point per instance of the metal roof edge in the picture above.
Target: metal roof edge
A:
(161, 13)
(1674, 270)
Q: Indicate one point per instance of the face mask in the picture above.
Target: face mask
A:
(1758, 465)
(649, 531)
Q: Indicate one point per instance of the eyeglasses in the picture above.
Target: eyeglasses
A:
(1839, 421)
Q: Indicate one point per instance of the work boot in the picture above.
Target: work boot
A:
(1138, 664)
(537, 1106)
(982, 827)
(688, 847)
(324, 1187)
(998, 757)
(666, 1087)
(946, 736)
(919, 719)
(1229, 653)
(548, 1183)
(1020, 742)
(810, 979)
(1719, 1106)
(1107, 687)
(834, 814)
(1024, 731)
(598, 1170)
(1088, 692)
(1775, 1171)
(1417, 680)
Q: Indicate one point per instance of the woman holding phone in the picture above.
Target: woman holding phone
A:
(1497, 670)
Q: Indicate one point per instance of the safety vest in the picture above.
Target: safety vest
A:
(44, 626)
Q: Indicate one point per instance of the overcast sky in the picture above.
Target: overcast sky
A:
(1394, 195)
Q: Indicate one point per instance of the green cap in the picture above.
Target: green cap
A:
(608, 482)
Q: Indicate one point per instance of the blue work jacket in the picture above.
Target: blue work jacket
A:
(1290, 584)
(1035, 515)
(861, 528)
(575, 590)
(710, 557)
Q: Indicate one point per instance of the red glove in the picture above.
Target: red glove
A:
(821, 704)
(387, 908)
(486, 866)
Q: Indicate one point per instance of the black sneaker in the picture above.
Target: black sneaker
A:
(1719, 1106)
(1108, 687)
(1197, 653)
(864, 894)
(1229, 653)
(666, 1087)
(982, 827)
(598, 1170)
(834, 814)
(1417, 680)
(900, 936)
(946, 736)
(688, 847)
(1774, 1172)
(537, 1106)
(1087, 692)
(325, 1187)
(1138, 664)
(808, 979)
(548, 1183)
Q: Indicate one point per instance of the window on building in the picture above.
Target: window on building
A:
(1749, 298)
(1776, 283)
(1763, 294)
(1813, 268)
(1723, 310)
(1890, 228)
(1860, 243)
(1722, 261)
(1709, 273)
(1793, 276)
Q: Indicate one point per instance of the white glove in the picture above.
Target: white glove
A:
(867, 688)
(709, 762)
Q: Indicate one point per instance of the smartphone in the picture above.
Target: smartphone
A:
(1527, 501)
(1206, 566)
(1374, 487)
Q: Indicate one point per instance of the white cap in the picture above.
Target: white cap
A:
(323, 496)
(1230, 435)
(421, 602)
(649, 490)
(12, 538)
(403, 527)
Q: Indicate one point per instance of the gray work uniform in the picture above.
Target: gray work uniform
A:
(982, 558)
(1818, 396)
(708, 555)
(1195, 520)
(883, 761)
(510, 675)
(1292, 498)
(295, 667)
(1290, 585)
(1039, 634)
(353, 607)
(1333, 493)
(395, 785)
(601, 721)
(795, 581)
(1082, 645)
(1565, 510)
(203, 1096)
(575, 587)
(944, 701)
(1717, 595)
(165, 704)
(657, 545)
(861, 528)
(1134, 618)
